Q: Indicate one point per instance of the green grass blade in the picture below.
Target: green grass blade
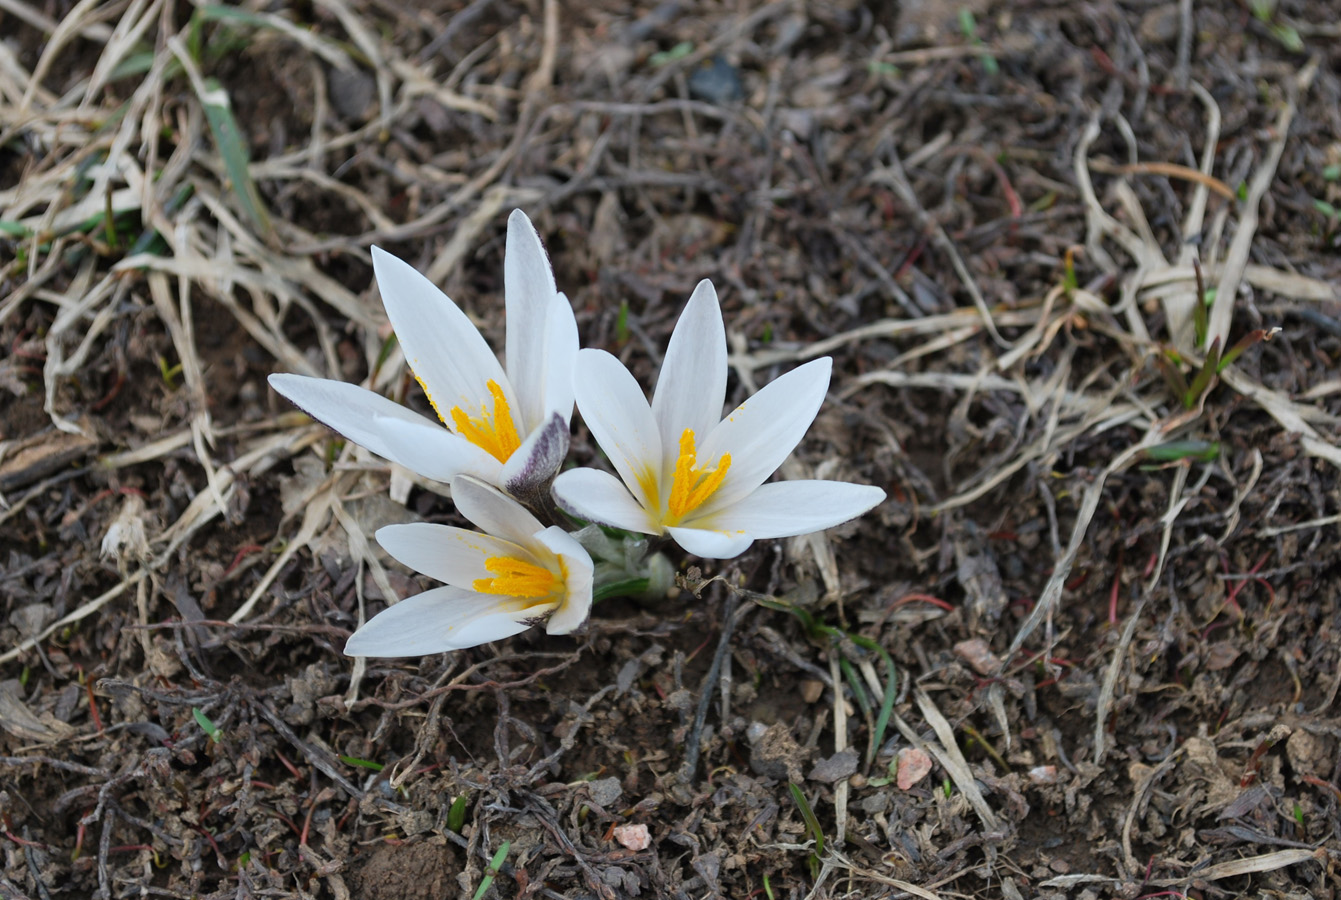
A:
(495, 865)
(228, 138)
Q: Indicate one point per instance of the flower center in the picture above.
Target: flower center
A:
(493, 432)
(693, 484)
(515, 578)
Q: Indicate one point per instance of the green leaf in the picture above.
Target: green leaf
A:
(206, 725)
(1172, 451)
(456, 815)
(228, 139)
(812, 825)
(362, 763)
(495, 865)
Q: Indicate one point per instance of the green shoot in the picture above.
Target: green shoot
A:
(948, 787)
(630, 588)
(362, 763)
(495, 865)
(768, 888)
(1201, 313)
(228, 138)
(206, 725)
(1176, 451)
(969, 26)
(622, 322)
(812, 825)
(679, 51)
(1299, 815)
(1332, 172)
(384, 354)
(456, 815)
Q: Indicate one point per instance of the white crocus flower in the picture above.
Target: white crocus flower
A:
(517, 574)
(686, 471)
(507, 428)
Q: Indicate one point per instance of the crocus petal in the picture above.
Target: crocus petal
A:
(454, 556)
(385, 427)
(572, 612)
(711, 544)
(529, 290)
(692, 385)
(441, 344)
(787, 508)
(600, 497)
(614, 408)
(560, 356)
(762, 432)
(495, 512)
(445, 618)
(532, 466)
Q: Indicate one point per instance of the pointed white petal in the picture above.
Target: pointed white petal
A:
(495, 512)
(762, 432)
(692, 385)
(441, 344)
(600, 497)
(787, 508)
(386, 428)
(453, 556)
(560, 356)
(711, 544)
(528, 288)
(435, 621)
(615, 409)
(533, 465)
(578, 571)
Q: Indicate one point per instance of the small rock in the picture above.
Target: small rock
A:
(811, 690)
(352, 92)
(978, 654)
(716, 81)
(914, 765)
(1043, 775)
(836, 767)
(605, 792)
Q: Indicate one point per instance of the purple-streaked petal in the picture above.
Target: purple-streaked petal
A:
(529, 291)
(386, 428)
(615, 409)
(711, 544)
(453, 556)
(692, 385)
(445, 618)
(441, 344)
(528, 472)
(762, 432)
(602, 498)
(787, 508)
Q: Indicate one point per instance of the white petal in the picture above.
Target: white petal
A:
(614, 408)
(786, 508)
(386, 428)
(711, 544)
(560, 356)
(762, 432)
(453, 556)
(600, 497)
(532, 466)
(578, 571)
(435, 621)
(528, 289)
(495, 512)
(692, 385)
(441, 344)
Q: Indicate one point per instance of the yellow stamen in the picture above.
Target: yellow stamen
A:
(493, 432)
(515, 578)
(692, 484)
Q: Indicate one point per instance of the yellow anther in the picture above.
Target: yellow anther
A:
(692, 484)
(493, 432)
(515, 578)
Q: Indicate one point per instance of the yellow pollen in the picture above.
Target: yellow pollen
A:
(515, 578)
(692, 484)
(493, 432)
